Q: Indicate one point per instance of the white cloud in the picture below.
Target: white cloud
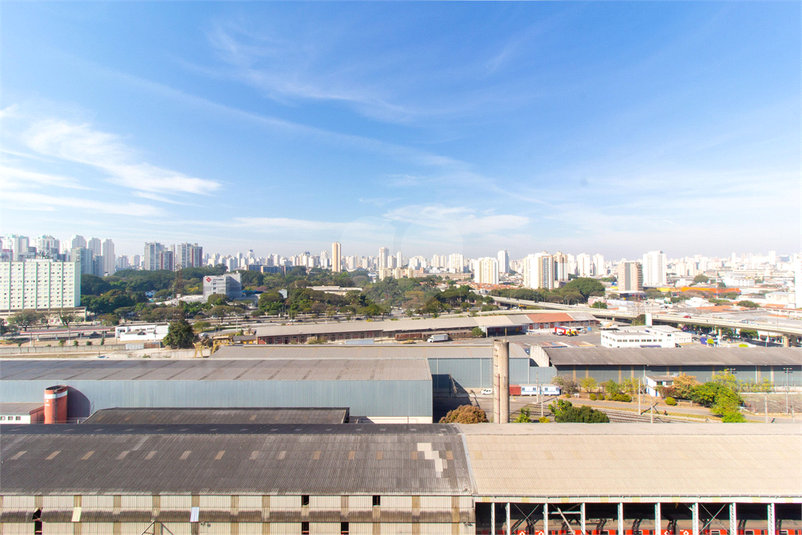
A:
(48, 202)
(9, 174)
(468, 221)
(81, 143)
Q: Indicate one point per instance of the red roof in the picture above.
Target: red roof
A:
(550, 317)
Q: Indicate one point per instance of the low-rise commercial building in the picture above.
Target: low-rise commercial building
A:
(642, 336)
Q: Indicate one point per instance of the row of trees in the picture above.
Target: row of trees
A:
(576, 291)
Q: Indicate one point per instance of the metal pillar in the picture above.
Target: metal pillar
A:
(770, 518)
(509, 521)
(695, 518)
(733, 519)
(493, 518)
(501, 382)
(621, 519)
(582, 517)
(658, 513)
(545, 519)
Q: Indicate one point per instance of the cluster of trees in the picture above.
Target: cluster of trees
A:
(24, 319)
(564, 411)
(609, 390)
(576, 291)
(720, 394)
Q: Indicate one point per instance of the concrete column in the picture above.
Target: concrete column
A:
(621, 519)
(695, 518)
(493, 518)
(582, 517)
(501, 381)
(770, 519)
(733, 518)
(658, 513)
(545, 519)
(786, 341)
(509, 521)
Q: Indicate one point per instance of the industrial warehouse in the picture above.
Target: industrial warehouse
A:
(367, 479)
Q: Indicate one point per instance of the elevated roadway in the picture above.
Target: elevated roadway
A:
(777, 329)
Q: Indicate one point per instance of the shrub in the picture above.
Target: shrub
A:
(75, 343)
(671, 401)
(543, 420)
(89, 342)
(592, 397)
(465, 414)
(626, 398)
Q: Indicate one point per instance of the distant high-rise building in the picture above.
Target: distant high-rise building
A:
(486, 271)
(382, 260)
(584, 265)
(654, 268)
(18, 245)
(560, 266)
(85, 258)
(598, 265)
(503, 262)
(151, 257)
(109, 259)
(77, 241)
(399, 259)
(47, 247)
(188, 255)
(39, 285)
(539, 271)
(95, 245)
(630, 277)
(336, 257)
(456, 263)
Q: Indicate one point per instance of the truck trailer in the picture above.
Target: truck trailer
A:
(438, 338)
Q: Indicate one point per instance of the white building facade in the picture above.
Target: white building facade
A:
(487, 270)
(39, 285)
(538, 271)
(654, 268)
(655, 336)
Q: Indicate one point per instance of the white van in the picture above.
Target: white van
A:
(487, 391)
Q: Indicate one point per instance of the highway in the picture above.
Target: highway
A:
(776, 329)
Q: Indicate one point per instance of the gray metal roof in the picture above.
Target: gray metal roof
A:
(371, 352)
(555, 460)
(226, 459)
(328, 369)
(391, 327)
(20, 408)
(249, 416)
(680, 356)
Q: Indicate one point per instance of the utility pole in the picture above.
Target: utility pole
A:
(766, 406)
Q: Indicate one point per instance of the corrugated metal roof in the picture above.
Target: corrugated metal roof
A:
(680, 356)
(250, 416)
(372, 352)
(226, 459)
(635, 459)
(549, 317)
(327, 369)
(20, 408)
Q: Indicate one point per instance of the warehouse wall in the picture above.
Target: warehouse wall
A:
(365, 398)
(477, 372)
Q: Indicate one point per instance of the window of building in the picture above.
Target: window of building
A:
(305, 500)
(377, 501)
(304, 528)
(343, 528)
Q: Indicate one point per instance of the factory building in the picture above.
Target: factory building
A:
(780, 365)
(423, 479)
(385, 391)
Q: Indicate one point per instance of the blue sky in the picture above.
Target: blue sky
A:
(611, 127)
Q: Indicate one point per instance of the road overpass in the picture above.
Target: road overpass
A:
(787, 332)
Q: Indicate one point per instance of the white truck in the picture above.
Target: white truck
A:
(437, 338)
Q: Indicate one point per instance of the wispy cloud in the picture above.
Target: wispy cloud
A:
(49, 202)
(83, 144)
(11, 177)
(464, 218)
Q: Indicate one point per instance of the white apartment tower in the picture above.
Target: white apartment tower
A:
(151, 258)
(39, 285)
(456, 263)
(560, 266)
(188, 255)
(47, 247)
(539, 271)
(654, 268)
(109, 259)
(584, 265)
(503, 262)
(77, 241)
(95, 245)
(487, 270)
(382, 260)
(336, 257)
(598, 265)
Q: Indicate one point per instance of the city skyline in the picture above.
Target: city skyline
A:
(431, 128)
